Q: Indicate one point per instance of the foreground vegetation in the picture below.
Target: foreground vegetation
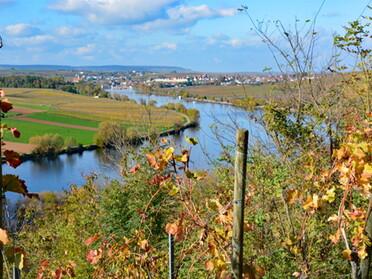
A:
(307, 207)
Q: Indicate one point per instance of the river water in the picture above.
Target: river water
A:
(218, 123)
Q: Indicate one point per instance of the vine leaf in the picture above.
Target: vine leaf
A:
(347, 254)
(12, 183)
(16, 256)
(5, 105)
(15, 132)
(134, 169)
(90, 240)
(93, 256)
(12, 158)
(152, 160)
(193, 141)
(4, 237)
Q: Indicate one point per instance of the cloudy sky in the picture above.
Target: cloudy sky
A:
(203, 35)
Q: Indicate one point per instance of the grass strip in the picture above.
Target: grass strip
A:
(63, 119)
(31, 129)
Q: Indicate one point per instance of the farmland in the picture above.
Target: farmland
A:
(63, 109)
(234, 92)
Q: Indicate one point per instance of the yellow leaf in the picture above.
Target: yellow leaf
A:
(4, 237)
(168, 151)
(214, 205)
(292, 194)
(333, 218)
(358, 152)
(362, 254)
(347, 254)
(335, 238)
(193, 141)
(308, 203)
(173, 191)
(185, 157)
(330, 196)
(209, 265)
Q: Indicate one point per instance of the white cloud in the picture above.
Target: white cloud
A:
(146, 15)
(222, 40)
(69, 31)
(184, 16)
(85, 49)
(165, 45)
(114, 11)
(31, 41)
(22, 30)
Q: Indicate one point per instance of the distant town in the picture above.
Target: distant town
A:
(164, 80)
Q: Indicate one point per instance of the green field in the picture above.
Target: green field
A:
(63, 119)
(73, 109)
(31, 129)
(34, 107)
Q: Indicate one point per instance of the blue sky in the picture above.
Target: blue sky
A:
(202, 35)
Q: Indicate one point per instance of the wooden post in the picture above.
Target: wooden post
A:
(171, 256)
(239, 197)
(16, 273)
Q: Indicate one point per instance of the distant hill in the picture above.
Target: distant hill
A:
(106, 68)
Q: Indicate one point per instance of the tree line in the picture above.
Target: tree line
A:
(58, 83)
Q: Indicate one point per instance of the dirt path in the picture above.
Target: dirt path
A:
(19, 147)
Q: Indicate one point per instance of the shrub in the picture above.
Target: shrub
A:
(193, 115)
(47, 144)
(109, 133)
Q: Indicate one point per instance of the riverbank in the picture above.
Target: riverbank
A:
(25, 150)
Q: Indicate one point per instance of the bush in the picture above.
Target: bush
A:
(48, 144)
(109, 133)
(193, 115)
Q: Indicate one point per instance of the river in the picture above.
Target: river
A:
(218, 123)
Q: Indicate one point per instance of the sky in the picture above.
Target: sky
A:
(202, 35)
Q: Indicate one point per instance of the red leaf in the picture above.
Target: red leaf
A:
(93, 256)
(157, 179)
(142, 213)
(12, 158)
(92, 239)
(58, 273)
(70, 271)
(5, 105)
(15, 132)
(44, 263)
(134, 169)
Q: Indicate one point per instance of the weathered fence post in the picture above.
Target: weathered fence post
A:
(171, 256)
(16, 273)
(239, 197)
